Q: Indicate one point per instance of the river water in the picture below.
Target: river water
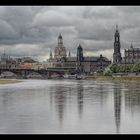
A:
(69, 106)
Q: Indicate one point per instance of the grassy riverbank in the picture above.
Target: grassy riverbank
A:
(7, 81)
(121, 79)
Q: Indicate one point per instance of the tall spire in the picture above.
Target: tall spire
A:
(117, 46)
(117, 35)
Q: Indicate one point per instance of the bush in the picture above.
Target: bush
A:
(108, 73)
(115, 68)
(136, 67)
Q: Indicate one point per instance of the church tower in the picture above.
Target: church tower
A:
(79, 58)
(51, 55)
(117, 54)
(79, 53)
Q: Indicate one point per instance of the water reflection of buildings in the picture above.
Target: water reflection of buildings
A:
(80, 97)
(117, 107)
(102, 93)
(132, 97)
(60, 101)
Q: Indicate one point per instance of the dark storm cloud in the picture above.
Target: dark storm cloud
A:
(33, 31)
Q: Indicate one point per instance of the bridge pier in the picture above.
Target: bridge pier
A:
(48, 75)
(24, 73)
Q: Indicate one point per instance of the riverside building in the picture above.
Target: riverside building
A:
(131, 55)
(80, 62)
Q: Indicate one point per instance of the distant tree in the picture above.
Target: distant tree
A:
(129, 68)
(108, 73)
(136, 67)
(115, 68)
(122, 68)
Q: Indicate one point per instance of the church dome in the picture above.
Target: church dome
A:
(60, 36)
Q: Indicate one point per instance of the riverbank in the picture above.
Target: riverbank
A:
(120, 79)
(7, 81)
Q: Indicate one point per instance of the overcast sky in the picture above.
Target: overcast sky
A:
(33, 31)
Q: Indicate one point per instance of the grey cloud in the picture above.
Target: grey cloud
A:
(33, 30)
(52, 18)
(6, 31)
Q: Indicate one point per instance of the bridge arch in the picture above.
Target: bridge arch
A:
(8, 74)
(33, 74)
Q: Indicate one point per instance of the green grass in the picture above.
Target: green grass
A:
(8, 81)
(120, 79)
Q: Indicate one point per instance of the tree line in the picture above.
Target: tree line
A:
(123, 68)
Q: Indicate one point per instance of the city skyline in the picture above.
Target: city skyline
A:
(33, 30)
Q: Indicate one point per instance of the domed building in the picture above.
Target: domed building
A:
(79, 63)
(60, 50)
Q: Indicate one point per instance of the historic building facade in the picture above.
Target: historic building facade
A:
(131, 55)
(79, 62)
(86, 64)
(6, 62)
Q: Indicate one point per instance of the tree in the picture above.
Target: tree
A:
(122, 68)
(114, 68)
(136, 67)
(108, 73)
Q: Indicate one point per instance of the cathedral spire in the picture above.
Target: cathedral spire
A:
(117, 35)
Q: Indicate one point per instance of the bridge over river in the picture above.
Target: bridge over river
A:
(44, 73)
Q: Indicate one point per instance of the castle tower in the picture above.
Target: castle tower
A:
(79, 58)
(117, 54)
(51, 55)
(79, 53)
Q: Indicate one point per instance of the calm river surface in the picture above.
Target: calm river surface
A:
(69, 106)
